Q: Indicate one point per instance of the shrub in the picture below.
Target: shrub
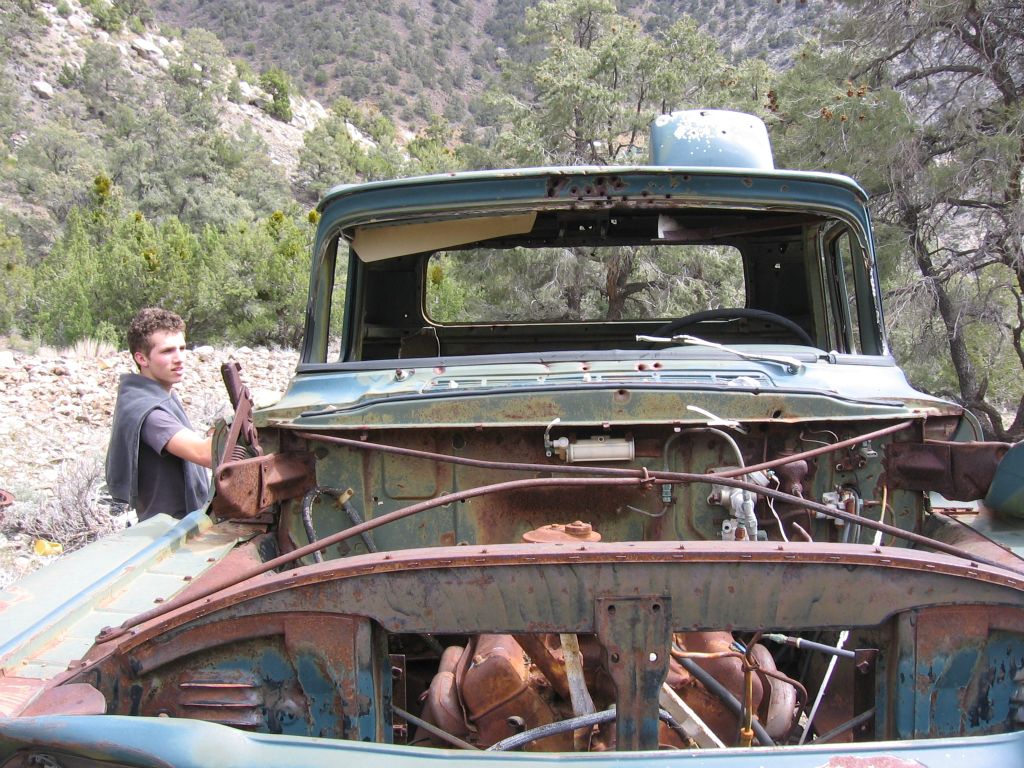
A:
(108, 17)
(275, 82)
(16, 281)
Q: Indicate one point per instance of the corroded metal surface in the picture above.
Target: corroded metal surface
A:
(635, 633)
(963, 680)
(309, 619)
(959, 471)
(248, 486)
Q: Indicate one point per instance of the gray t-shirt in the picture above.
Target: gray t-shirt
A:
(161, 489)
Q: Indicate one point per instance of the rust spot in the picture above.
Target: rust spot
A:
(555, 185)
(874, 761)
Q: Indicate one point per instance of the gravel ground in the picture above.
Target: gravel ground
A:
(55, 411)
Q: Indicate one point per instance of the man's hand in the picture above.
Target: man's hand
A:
(191, 446)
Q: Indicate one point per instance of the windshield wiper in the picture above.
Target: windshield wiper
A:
(791, 364)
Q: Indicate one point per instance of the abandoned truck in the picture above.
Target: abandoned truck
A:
(576, 460)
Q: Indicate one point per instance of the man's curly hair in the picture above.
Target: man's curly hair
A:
(148, 321)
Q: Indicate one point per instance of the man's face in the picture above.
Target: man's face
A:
(165, 363)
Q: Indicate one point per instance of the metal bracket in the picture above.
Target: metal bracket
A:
(636, 634)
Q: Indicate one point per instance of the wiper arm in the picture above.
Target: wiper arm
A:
(791, 364)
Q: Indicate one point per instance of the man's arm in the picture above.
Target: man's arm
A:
(191, 446)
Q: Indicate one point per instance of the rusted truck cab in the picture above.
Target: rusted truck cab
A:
(575, 460)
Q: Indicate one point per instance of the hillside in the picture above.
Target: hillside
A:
(145, 108)
(415, 58)
(55, 42)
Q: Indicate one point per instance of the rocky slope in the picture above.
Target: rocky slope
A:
(55, 411)
(148, 56)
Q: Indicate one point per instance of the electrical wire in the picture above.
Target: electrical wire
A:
(771, 507)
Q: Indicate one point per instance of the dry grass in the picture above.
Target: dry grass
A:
(75, 515)
(90, 349)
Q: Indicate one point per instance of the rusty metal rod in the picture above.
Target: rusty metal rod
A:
(109, 633)
(853, 722)
(433, 730)
(592, 471)
(662, 477)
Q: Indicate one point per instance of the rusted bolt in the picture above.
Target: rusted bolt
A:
(516, 723)
(579, 528)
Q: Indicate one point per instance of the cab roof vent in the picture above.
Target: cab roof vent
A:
(712, 138)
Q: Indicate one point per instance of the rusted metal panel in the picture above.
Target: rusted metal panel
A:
(298, 673)
(247, 487)
(963, 680)
(304, 621)
(550, 587)
(958, 471)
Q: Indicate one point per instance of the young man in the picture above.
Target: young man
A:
(155, 459)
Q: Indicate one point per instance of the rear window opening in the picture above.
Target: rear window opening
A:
(581, 283)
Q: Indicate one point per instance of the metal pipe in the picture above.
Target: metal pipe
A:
(811, 453)
(724, 478)
(843, 636)
(799, 642)
(350, 510)
(307, 520)
(839, 730)
(553, 729)
(433, 730)
(724, 435)
(357, 519)
(708, 681)
(594, 471)
(572, 724)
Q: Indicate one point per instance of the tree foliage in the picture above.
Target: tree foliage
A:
(929, 113)
(276, 83)
(246, 284)
(16, 282)
(596, 79)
